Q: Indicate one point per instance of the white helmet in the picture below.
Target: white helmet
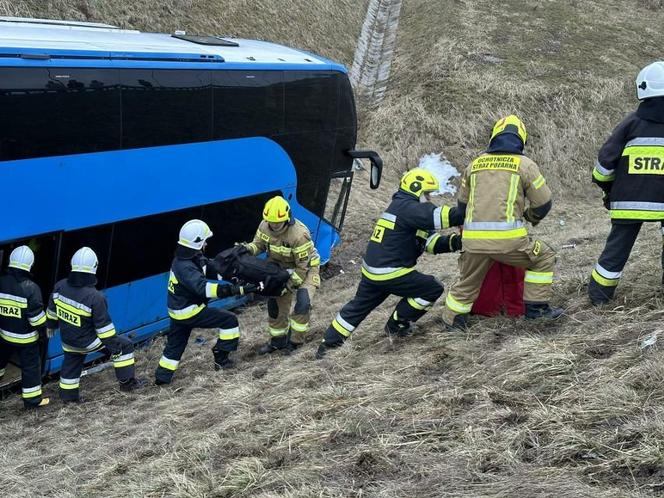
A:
(194, 233)
(22, 258)
(650, 81)
(85, 261)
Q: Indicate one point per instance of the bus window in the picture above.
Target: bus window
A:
(337, 200)
(248, 103)
(347, 117)
(345, 141)
(311, 101)
(162, 107)
(311, 154)
(143, 247)
(234, 221)
(97, 238)
(58, 111)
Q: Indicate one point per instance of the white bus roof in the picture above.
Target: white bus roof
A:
(44, 35)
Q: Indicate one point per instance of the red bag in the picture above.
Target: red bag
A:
(502, 289)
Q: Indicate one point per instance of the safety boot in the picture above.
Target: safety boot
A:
(41, 404)
(537, 311)
(325, 347)
(132, 384)
(222, 360)
(275, 344)
(291, 347)
(460, 324)
(398, 328)
(600, 295)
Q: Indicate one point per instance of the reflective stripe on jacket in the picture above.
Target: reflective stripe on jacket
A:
(188, 288)
(630, 165)
(495, 188)
(21, 307)
(291, 248)
(80, 311)
(402, 233)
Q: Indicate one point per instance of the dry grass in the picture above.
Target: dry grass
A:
(510, 408)
(330, 28)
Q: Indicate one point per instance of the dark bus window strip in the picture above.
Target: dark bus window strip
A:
(141, 247)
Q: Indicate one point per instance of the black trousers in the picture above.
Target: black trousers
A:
(30, 357)
(608, 270)
(419, 293)
(178, 336)
(121, 350)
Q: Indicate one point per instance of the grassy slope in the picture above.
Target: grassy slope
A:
(509, 409)
(328, 27)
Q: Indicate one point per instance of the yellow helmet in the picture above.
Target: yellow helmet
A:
(419, 181)
(276, 210)
(510, 124)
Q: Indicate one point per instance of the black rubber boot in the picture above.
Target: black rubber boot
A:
(324, 348)
(132, 384)
(398, 328)
(599, 294)
(291, 347)
(222, 360)
(537, 311)
(42, 403)
(275, 344)
(460, 324)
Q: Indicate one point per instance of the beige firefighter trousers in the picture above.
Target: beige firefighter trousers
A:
(281, 319)
(536, 257)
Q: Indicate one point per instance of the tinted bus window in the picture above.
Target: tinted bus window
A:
(311, 101)
(248, 103)
(162, 107)
(312, 155)
(145, 246)
(234, 221)
(344, 141)
(58, 111)
(347, 117)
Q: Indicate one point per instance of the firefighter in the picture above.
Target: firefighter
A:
(287, 242)
(80, 311)
(630, 172)
(188, 294)
(22, 322)
(494, 189)
(403, 232)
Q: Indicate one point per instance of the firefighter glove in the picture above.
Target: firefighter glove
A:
(531, 217)
(455, 242)
(241, 290)
(242, 248)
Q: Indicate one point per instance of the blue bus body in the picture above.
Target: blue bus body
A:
(130, 196)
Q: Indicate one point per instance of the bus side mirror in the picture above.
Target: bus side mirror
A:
(376, 165)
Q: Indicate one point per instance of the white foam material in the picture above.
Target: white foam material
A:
(442, 169)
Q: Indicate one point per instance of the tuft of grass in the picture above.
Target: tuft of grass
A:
(329, 28)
